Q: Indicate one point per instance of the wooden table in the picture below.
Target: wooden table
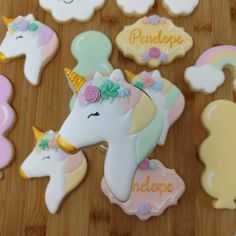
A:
(86, 211)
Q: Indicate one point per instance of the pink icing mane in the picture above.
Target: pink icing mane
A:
(45, 35)
(6, 121)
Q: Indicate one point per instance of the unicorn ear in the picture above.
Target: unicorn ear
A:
(37, 133)
(97, 75)
(30, 17)
(117, 76)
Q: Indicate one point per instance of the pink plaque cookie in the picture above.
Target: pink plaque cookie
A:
(154, 189)
(7, 117)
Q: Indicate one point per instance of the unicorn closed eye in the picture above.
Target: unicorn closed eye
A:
(110, 109)
(26, 36)
(65, 171)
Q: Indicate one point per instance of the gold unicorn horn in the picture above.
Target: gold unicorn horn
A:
(130, 76)
(37, 133)
(77, 80)
(7, 21)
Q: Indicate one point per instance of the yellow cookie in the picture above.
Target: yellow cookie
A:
(218, 153)
(153, 41)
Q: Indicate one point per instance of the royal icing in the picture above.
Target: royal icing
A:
(217, 152)
(207, 74)
(92, 50)
(154, 189)
(180, 7)
(167, 97)
(66, 171)
(153, 41)
(67, 10)
(111, 110)
(7, 118)
(30, 38)
(135, 7)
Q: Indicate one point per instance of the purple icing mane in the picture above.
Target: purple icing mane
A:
(45, 35)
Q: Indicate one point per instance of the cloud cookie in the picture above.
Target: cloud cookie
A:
(67, 10)
(135, 7)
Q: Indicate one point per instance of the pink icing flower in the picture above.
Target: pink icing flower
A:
(144, 165)
(92, 94)
(22, 25)
(145, 20)
(154, 52)
(148, 82)
(52, 143)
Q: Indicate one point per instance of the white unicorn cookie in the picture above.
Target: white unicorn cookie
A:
(180, 7)
(66, 171)
(154, 189)
(108, 109)
(30, 38)
(66, 10)
(153, 41)
(135, 7)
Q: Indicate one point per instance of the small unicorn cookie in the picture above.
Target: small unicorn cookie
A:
(180, 7)
(154, 189)
(7, 118)
(135, 7)
(154, 41)
(207, 75)
(30, 38)
(108, 109)
(92, 50)
(218, 154)
(66, 171)
(66, 10)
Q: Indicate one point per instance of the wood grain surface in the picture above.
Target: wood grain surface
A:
(87, 211)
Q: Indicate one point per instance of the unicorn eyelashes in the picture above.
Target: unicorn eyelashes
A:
(29, 37)
(129, 121)
(66, 172)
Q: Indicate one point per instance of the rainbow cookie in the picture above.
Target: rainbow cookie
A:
(154, 189)
(180, 7)
(153, 41)
(108, 109)
(66, 171)
(135, 7)
(29, 37)
(207, 74)
(92, 50)
(7, 118)
(67, 10)
(218, 154)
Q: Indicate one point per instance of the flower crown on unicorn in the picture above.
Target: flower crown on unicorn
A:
(29, 37)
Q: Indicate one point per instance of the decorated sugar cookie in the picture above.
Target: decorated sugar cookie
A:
(180, 7)
(154, 189)
(207, 74)
(67, 10)
(218, 153)
(7, 118)
(92, 50)
(167, 97)
(135, 7)
(154, 41)
(108, 109)
(66, 171)
(30, 38)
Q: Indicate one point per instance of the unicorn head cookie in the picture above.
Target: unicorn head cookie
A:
(67, 10)
(7, 117)
(30, 38)
(65, 171)
(111, 110)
